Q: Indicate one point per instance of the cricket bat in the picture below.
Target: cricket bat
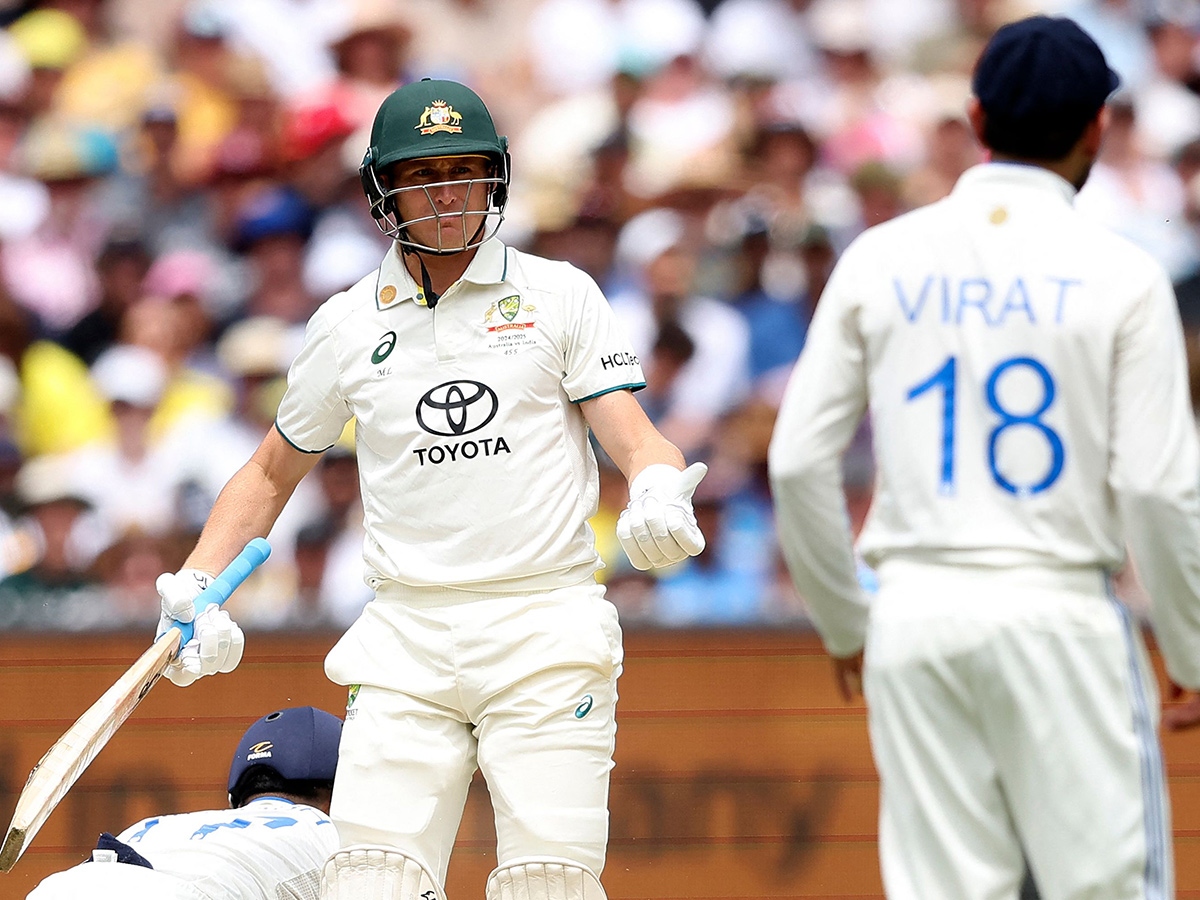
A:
(66, 760)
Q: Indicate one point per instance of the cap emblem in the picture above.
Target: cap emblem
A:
(439, 117)
(261, 750)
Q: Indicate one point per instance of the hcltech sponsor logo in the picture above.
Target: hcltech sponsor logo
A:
(457, 408)
(613, 360)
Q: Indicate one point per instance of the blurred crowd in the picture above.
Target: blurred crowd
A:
(179, 191)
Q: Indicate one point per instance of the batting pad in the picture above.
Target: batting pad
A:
(376, 873)
(544, 879)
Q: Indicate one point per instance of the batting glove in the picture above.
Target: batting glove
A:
(658, 527)
(217, 642)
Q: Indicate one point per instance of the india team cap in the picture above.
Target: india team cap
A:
(300, 743)
(1042, 69)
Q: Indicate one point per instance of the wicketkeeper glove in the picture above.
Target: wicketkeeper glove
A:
(658, 527)
(217, 642)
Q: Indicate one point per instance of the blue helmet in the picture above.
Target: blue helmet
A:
(299, 744)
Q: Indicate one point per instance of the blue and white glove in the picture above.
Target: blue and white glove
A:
(658, 527)
(217, 642)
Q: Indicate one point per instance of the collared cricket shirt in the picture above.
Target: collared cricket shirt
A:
(473, 453)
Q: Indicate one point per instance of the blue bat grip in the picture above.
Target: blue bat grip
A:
(253, 555)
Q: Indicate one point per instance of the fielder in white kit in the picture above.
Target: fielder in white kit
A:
(1025, 377)
(474, 372)
(269, 845)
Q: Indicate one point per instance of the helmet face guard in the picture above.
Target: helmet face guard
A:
(476, 225)
(426, 120)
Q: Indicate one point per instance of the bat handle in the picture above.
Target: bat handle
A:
(253, 555)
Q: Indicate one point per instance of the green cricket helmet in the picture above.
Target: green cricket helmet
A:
(428, 119)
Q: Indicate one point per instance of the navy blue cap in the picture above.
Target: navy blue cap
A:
(300, 743)
(1042, 68)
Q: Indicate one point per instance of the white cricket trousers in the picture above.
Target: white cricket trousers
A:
(1013, 715)
(113, 881)
(522, 687)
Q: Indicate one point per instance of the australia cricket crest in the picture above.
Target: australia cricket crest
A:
(513, 327)
(509, 307)
(440, 116)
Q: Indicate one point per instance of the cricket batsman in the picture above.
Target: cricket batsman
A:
(474, 372)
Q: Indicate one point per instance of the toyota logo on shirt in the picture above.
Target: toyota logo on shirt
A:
(457, 407)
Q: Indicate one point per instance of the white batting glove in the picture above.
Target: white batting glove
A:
(217, 642)
(658, 527)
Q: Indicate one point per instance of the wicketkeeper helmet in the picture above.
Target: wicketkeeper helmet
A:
(426, 119)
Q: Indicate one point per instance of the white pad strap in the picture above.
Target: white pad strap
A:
(544, 879)
(363, 872)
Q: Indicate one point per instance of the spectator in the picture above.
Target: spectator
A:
(130, 484)
(717, 376)
(50, 271)
(1167, 105)
(51, 41)
(338, 534)
(579, 45)
(951, 151)
(272, 230)
(120, 268)
(1138, 195)
(322, 166)
(778, 321)
(127, 570)
(681, 130)
(289, 36)
(56, 589)
(370, 50)
(767, 39)
(880, 193)
(673, 350)
(790, 189)
(255, 352)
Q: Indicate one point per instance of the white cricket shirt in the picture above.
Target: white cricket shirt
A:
(473, 454)
(266, 850)
(1024, 373)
